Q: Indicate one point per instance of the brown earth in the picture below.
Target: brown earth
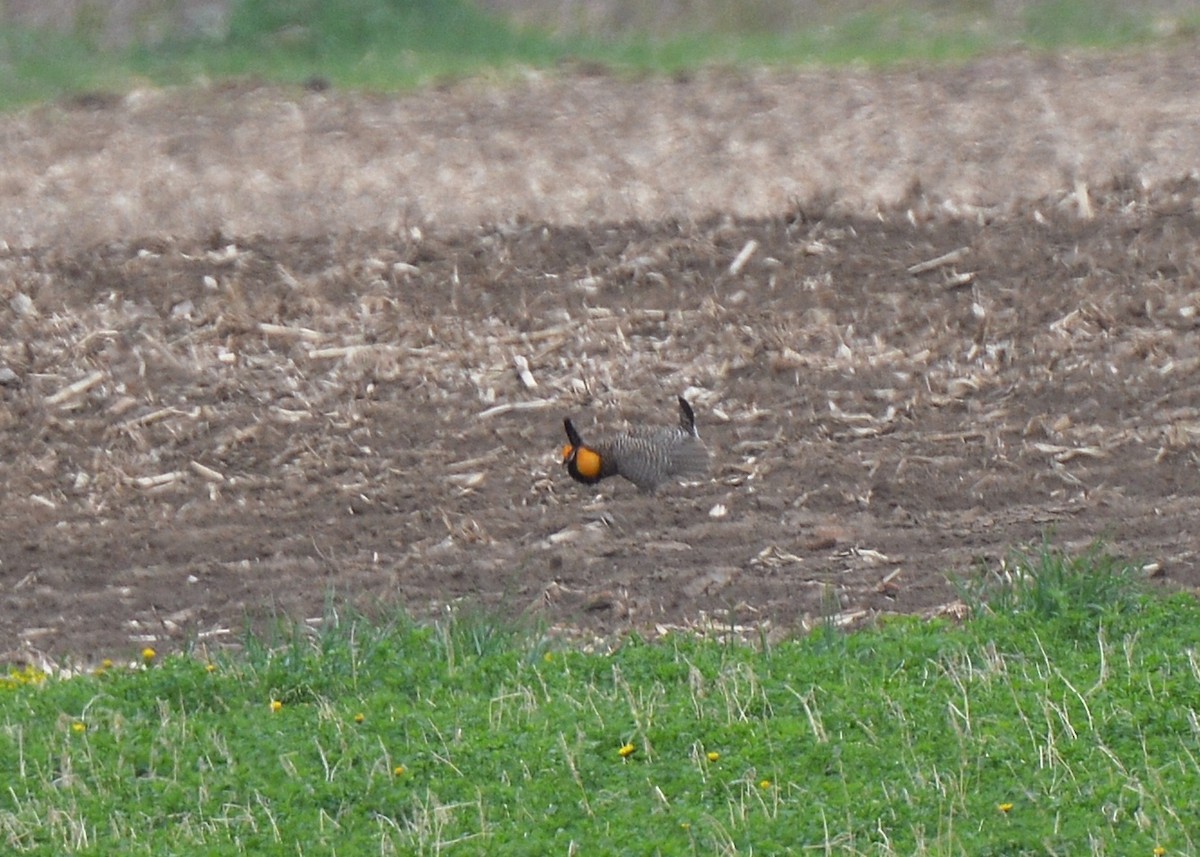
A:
(257, 346)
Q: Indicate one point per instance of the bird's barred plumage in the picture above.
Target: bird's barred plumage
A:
(647, 457)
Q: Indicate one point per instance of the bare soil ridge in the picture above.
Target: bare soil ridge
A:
(573, 150)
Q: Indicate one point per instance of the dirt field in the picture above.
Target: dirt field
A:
(257, 346)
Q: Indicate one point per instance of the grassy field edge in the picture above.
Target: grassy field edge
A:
(1060, 716)
(388, 45)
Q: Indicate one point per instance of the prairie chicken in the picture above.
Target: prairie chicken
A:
(647, 457)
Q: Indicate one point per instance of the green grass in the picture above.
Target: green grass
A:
(394, 44)
(1061, 719)
(380, 44)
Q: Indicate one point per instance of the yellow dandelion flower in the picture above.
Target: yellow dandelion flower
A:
(276, 705)
(765, 784)
(1159, 851)
(1005, 808)
(106, 664)
(713, 755)
(148, 654)
(210, 668)
(626, 750)
(399, 770)
(25, 675)
(78, 726)
(548, 657)
(360, 717)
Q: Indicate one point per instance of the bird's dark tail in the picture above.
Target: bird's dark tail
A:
(687, 418)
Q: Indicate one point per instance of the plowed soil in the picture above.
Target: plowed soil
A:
(261, 346)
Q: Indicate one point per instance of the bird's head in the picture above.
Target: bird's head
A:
(585, 464)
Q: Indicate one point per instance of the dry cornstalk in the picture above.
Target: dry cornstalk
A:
(526, 376)
(1063, 454)
(77, 389)
(157, 416)
(1083, 200)
(740, 260)
(288, 415)
(560, 331)
(206, 472)
(466, 480)
(337, 352)
(157, 480)
(290, 332)
(940, 261)
(958, 280)
(479, 461)
(507, 407)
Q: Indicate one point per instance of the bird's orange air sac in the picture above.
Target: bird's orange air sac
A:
(587, 462)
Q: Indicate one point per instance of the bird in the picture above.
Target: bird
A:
(646, 456)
